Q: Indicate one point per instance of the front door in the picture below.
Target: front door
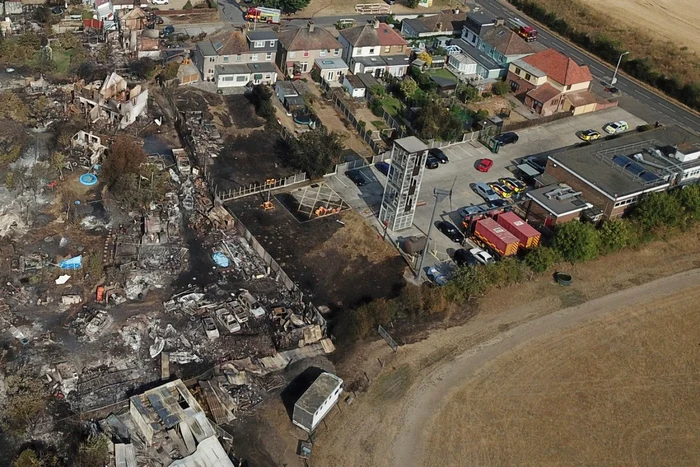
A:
(331, 76)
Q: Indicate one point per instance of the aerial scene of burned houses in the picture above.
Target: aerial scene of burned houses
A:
(314, 232)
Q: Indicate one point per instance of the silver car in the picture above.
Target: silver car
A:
(485, 191)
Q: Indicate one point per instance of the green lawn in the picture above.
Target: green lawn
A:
(62, 59)
(392, 105)
(443, 73)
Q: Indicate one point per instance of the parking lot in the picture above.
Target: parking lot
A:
(460, 175)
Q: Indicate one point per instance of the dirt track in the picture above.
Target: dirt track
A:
(430, 397)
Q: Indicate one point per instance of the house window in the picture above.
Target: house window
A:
(254, 58)
(226, 59)
(336, 52)
(212, 59)
(371, 51)
(292, 54)
(568, 88)
(259, 43)
(306, 53)
(238, 58)
(514, 86)
(304, 67)
(227, 78)
(268, 56)
(322, 53)
(387, 48)
(267, 75)
(528, 76)
(241, 78)
(518, 71)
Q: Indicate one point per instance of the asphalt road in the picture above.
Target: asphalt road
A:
(666, 110)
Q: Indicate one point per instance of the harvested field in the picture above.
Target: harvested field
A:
(621, 390)
(665, 31)
(338, 266)
(344, 7)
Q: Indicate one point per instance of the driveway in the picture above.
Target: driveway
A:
(460, 175)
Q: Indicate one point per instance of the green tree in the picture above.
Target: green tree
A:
(657, 210)
(689, 198)
(577, 241)
(13, 108)
(467, 282)
(435, 121)
(408, 87)
(188, 6)
(25, 402)
(615, 235)
(170, 70)
(541, 259)
(316, 151)
(58, 163)
(467, 93)
(505, 272)
(412, 3)
(500, 88)
(93, 452)
(261, 98)
(125, 157)
(292, 6)
(143, 67)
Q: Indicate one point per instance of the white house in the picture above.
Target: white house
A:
(462, 64)
(331, 69)
(367, 48)
(231, 76)
(317, 401)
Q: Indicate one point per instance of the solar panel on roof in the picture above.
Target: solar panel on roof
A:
(649, 177)
(622, 161)
(635, 168)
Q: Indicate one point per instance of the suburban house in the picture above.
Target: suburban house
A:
(468, 62)
(129, 4)
(445, 23)
(317, 401)
(375, 48)
(111, 99)
(331, 69)
(549, 82)
(225, 58)
(299, 48)
(104, 10)
(613, 174)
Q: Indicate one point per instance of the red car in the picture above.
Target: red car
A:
(484, 165)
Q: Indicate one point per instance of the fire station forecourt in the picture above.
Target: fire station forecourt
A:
(460, 174)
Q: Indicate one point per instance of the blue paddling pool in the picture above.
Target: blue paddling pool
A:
(88, 179)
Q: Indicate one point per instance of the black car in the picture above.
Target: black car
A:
(463, 258)
(450, 231)
(439, 155)
(57, 10)
(507, 138)
(356, 177)
(536, 163)
(499, 203)
(432, 162)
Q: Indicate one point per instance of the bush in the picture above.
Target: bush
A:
(316, 151)
(500, 88)
(375, 106)
(689, 198)
(412, 3)
(541, 259)
(466, 283)
(316, 74)
(657, 210)
(615, 234)
(188, 6)
(261, 98)
(577, 241)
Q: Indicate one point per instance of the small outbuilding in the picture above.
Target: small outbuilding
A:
(331, 69)
(317, 401)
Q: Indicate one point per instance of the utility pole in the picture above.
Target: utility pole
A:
(619, 60)
(440, 196)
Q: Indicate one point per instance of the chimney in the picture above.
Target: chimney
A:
(376, 23)
(500, 21)
(439, 27)
(311, 26)
(455, 11)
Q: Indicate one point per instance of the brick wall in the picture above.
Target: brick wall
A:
(591, 195)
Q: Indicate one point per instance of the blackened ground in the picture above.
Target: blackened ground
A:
(340, 279)
(251, 158)
(241, 113)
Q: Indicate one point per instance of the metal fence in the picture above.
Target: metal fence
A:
(358, 164)
(536, 122)
(366, 135)
(255, 188)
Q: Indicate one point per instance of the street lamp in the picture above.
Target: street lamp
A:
(440, 196)
(614, 78)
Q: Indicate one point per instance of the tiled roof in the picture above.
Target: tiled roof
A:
(580, 98)
(450, 22)
(507, 42)
(302, 39)
(559, 67)
(544, 93)
(368, 36)
(229, 43)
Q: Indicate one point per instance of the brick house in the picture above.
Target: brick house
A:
(233, 47)
(550, 82)
(375, 48)
(299, 48)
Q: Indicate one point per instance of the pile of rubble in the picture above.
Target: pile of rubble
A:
(202, 137)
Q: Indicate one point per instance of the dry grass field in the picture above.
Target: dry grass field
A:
(622, 390)
(665, 31)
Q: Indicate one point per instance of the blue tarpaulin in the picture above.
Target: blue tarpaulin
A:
(221, 260)
(72, 263)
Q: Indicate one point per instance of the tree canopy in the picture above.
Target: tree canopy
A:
(577, 241)
(125, 157)
(435, 121)
(317, 151)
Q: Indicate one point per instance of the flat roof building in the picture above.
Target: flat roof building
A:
(556, 204)
(612, 174)
(317, 401)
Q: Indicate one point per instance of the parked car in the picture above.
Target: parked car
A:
(472, 211)
(436, 276)
(484, 165)
(589, 135)
(432, 162)
(383, 167)
(616, 127)
(57, 10)
(507, 138)
(612, 90)
(158, 20)
(486, 192)
(439, 155)
(501, 190)
(159, 2)
(513, 183)
(499, 203)
(450, 231)
(482, 256)
(463, 258)
(356, 177)
(168, 30)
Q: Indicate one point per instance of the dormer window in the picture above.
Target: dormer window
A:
(259, 43)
